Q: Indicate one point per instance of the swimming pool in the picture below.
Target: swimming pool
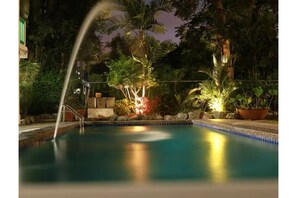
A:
(147, 154)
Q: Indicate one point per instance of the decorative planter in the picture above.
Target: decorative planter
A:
(253, 114)
(69, 117)
(82, 112)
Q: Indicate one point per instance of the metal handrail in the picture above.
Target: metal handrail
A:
(81, 118)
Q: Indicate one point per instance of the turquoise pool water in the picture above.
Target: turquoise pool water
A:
(146, 154)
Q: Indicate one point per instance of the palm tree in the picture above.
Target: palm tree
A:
(138, 17)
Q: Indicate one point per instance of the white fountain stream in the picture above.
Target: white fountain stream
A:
(102, 6)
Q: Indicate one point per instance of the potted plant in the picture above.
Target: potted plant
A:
(253, 104)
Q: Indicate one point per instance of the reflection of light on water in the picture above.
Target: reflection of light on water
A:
(137, 161)
(143, 134)
(217, 159)
(134, 128)
(151, 136)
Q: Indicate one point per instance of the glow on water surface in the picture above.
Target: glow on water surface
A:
(146, 154)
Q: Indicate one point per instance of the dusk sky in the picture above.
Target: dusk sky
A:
(170, 21)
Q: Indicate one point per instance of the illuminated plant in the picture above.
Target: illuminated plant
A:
(126, 75)
(218, 89)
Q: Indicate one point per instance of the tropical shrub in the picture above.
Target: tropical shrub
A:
(185, 103)
(27, 74)
(255, 96)
(47, 90)
(123, 107)
(126, 74)
(216, 91)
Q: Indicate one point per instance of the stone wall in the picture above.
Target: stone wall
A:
(100, 107)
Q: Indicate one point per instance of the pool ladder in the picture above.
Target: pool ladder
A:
(77, 115)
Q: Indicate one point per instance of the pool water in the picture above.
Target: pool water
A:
(147, 154)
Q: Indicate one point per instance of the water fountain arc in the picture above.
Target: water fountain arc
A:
(102, 6)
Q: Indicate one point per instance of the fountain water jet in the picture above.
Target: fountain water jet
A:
(99, 7)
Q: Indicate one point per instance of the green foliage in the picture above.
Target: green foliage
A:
(216, 98)
(256, 41)
(255, 95)
(123, 107)
(185, 103)
(244, 101)
(90, 49)
(124, 72)
(258, 91)
(52, 29)
(251, 27)
(273, 93)
(100, 86)
(130, 75)
(138, 15)
(156, 49)
(188, 56)
(217, 90)
(27, 74)
(46, 92)
(148, 79)
(119, 46)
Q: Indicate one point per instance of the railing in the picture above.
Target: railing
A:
(78, 115)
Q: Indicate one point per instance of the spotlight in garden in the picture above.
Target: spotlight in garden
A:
(76, 91)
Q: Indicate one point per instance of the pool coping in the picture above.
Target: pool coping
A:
(264, 136)
(138, 123)
(39, 135)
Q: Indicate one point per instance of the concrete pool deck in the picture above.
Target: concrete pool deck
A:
(34, 133)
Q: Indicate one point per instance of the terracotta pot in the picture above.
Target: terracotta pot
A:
(69, 117)
(253, 114)
(81, 112)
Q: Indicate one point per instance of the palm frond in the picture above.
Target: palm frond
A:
(116, 22)
(138, 15)
(158, 28)
(193, 91)
(160, 5)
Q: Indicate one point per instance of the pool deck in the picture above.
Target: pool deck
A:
(35, 133)
(233, 189)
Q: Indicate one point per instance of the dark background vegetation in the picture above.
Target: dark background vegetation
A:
(52, 26)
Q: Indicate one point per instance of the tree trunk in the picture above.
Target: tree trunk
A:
(224, 43)
(227, 54)
(220, 15)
